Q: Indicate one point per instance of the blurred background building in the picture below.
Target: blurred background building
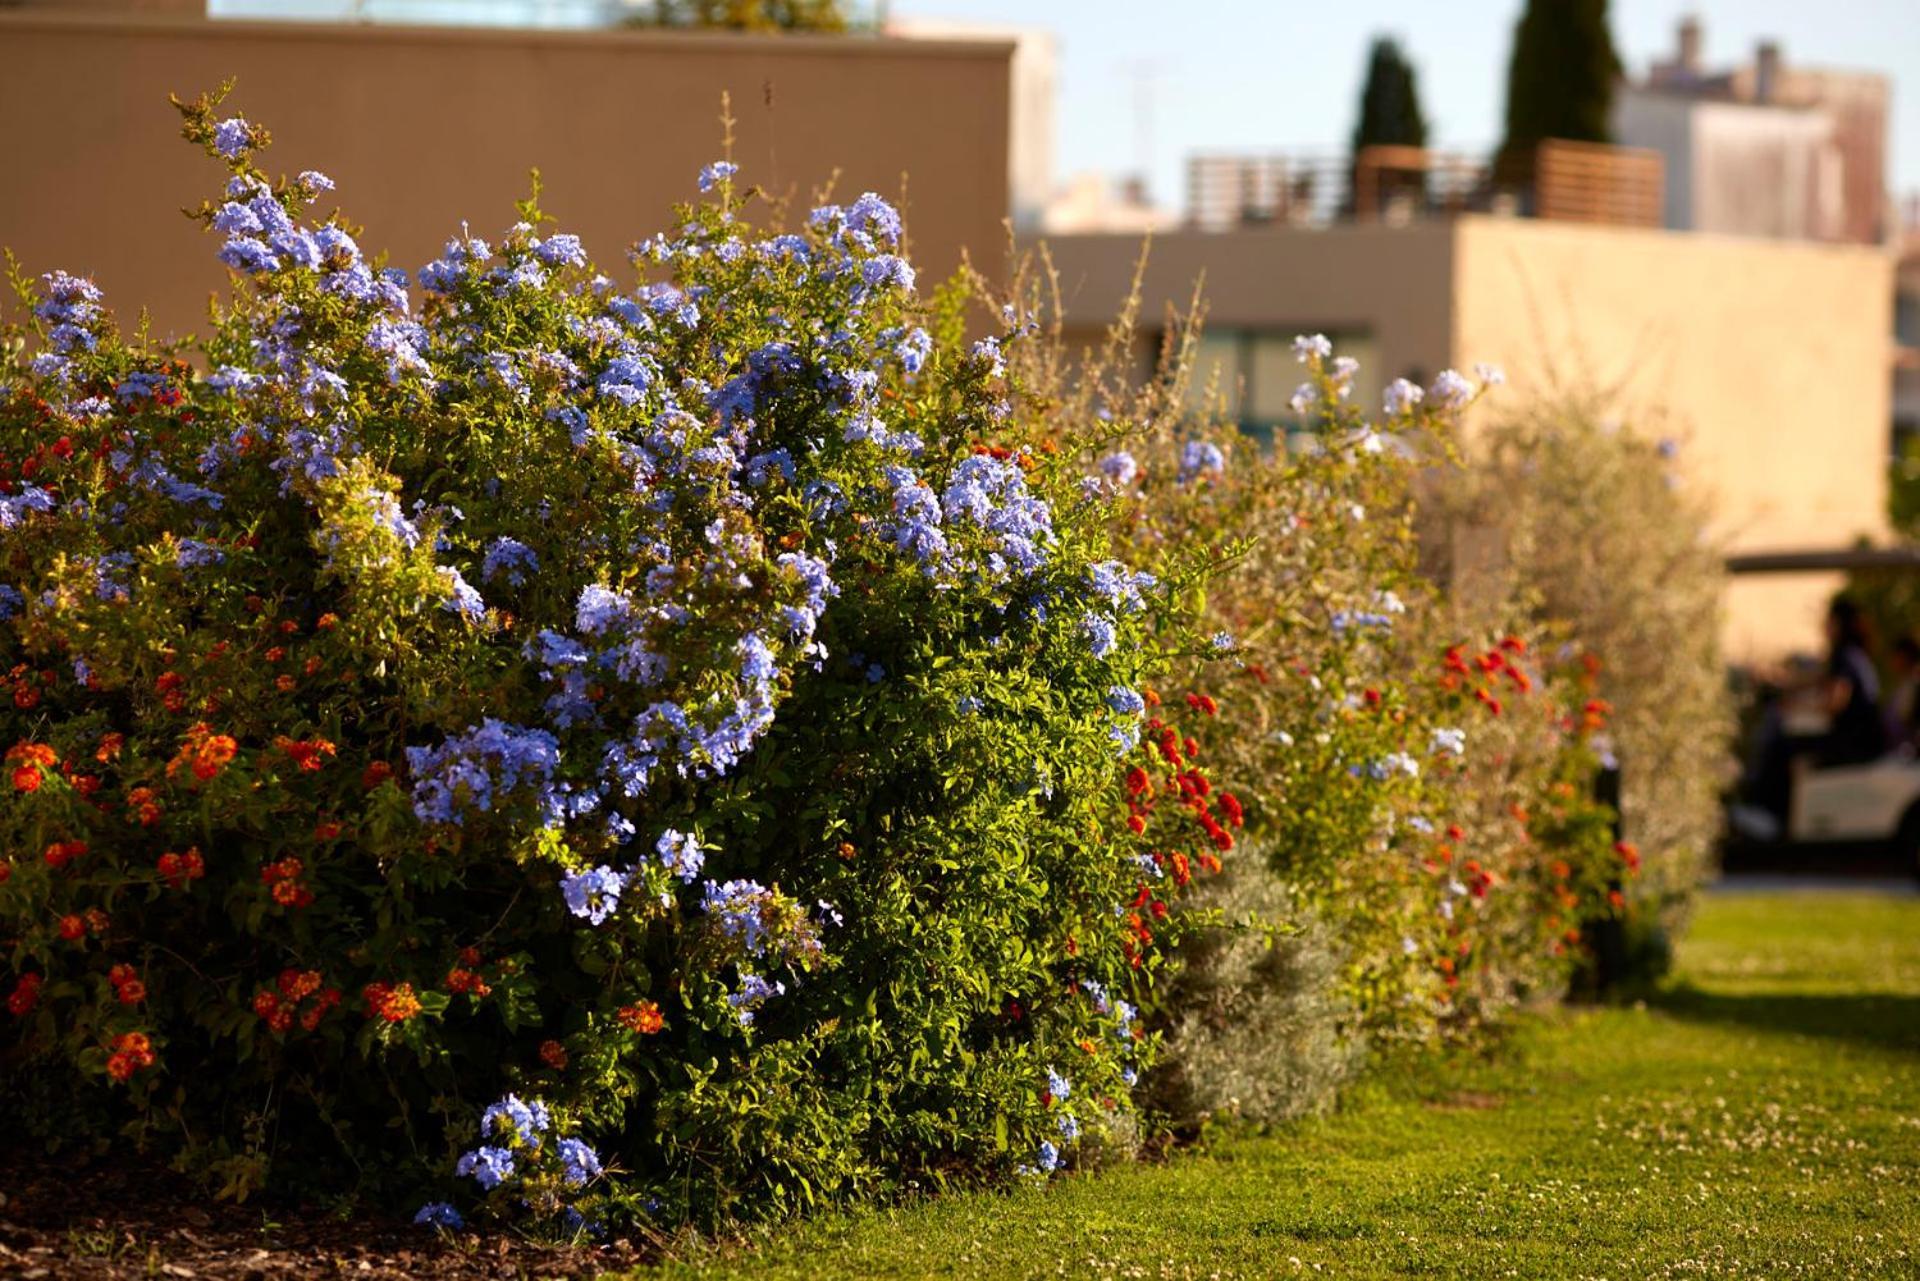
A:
(1714, 247)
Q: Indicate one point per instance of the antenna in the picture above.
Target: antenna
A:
(1144, 70)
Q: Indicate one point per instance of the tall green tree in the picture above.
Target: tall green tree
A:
(1561, 80)
(1390, 103)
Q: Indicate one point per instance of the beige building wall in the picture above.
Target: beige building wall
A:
(1391, 282)
(1767, 361)
(424, 127)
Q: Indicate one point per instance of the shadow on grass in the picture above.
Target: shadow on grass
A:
(1884, 1021)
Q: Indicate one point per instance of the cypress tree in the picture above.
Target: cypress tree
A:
(1561, 80)
(1390, 103)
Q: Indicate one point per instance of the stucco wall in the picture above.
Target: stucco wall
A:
(1391, 282)
(422, 127)
(1767, 361)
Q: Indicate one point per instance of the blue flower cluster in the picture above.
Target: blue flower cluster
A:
(592, 895)
(469, 772)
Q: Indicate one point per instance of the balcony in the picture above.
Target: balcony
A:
(1560, 181)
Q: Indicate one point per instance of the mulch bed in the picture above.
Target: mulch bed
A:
(100, 1220)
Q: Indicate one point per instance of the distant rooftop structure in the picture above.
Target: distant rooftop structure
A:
(1396, 185)
(1764, 148)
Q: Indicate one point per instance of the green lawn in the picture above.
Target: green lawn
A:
(1761, 1118)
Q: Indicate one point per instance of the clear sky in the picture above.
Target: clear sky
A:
(1285, 74)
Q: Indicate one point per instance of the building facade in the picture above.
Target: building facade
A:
(423, 127)
(1711, 340)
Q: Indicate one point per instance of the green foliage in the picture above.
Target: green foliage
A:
(1587, 528)
(381, 687)
(1752, 1120)
(750, 15)
(1560, 77)
(1390, 101)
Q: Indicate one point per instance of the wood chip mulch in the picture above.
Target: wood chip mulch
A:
(101, 1221)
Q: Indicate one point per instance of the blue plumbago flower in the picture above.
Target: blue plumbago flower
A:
(232, 137)
(1388, 766)
(511, 557)
(1129, 1076)
(1097, 992)
(754, 992)
(314, 180)
(875, 673)
(191, 553)
(1119, 468)
(12, 601)
(593, 895)
(966, 704)
(1119, 586)
(31, 498)
(561, 250)
(489, 1166)
(1347, 620)
(439, 1214)
(1126, 701)
(1420, 824)
(516, 1120)
(988, 349)
(716, 173)
(1047, 1157)
(1069, 1128)
(462, 599)
(1099, 630)
(680, 854)
(873, 216)
(469, 770)
(1199, 457)
(1450, 390)
(913, 350)
(579, 1163)
(1058, 1087)
(1401, 396)
(1223, 643)
(1309, 347)
(244, 253)
(738, 909)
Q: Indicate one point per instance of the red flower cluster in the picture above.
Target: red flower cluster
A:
(1486, 669)
(28, 761)
(395, 1004)
(61, 853)
(205, 752)
(131, 1052)
(171, 686)
(127, 987)
(643, 1017)
(178, 869)
(280, 1008)
(25, 995)
(284, 879)
(307, 753)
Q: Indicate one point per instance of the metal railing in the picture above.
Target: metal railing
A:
(1580, 182)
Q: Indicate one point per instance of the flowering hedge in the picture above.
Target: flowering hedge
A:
(580, 751)
(602, 749)
(1418, 761)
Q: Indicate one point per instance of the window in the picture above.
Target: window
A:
(1253, 373)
